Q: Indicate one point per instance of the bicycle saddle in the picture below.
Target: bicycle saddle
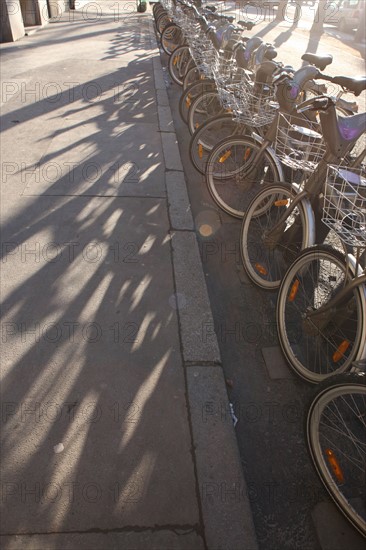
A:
(320, 61)
(270, 54)
(246, 24)
(355, 85)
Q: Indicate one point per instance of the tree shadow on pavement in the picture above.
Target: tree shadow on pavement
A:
(92, 429)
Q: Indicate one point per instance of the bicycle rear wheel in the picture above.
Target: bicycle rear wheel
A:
(317, 347)
(336, 439)
(231, 185)
(266, 259)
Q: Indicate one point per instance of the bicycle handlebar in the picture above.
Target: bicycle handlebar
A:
(353, 85)
(320, 103)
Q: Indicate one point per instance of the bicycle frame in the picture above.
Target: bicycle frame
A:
(314, 185)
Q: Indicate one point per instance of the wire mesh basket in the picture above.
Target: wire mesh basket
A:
(256, 104)
(203, 53)
(344, 208)
(299, 142)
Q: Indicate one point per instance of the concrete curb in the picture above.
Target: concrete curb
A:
(224, 502)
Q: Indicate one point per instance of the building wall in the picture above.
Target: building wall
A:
(17, 15)
(11, 21)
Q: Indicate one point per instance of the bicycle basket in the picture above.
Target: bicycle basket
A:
(344, 208)
(256, 104)
(299, 143)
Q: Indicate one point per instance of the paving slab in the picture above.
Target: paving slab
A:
(223, 490)
(179, 205)
(165, 119)
(162, 97)
(198, 336)
(92, 372)
(101, 157)
(99, 322)
(171, 151)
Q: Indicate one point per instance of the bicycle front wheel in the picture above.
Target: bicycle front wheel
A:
(207, 136)
(162, 21)
(235, 173)
(171, 38)
(336, 439)
(178, 63)
(267, 256)
(190, 93)
(192, 75)
(319, 345)
(202, 108)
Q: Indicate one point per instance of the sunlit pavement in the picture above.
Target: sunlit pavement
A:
(109, 437)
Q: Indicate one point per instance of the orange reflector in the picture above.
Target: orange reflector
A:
(293, 291)
(247, 153)
(197, 125)
(261, 269)
(200, 150)
(282, 202)
(225, 156)
(333, 462)
(340, 351)
(176, 60)
(188, 100)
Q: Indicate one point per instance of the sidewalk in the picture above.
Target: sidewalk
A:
(110, 437)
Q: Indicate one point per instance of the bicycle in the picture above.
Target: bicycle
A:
(335, 428)
(239, 165)
(236, 85)
(270, 242)
(324, 291)
(223, 126)
(218, 46)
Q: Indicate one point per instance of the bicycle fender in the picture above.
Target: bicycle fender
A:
(361, 353)
(309, 213)
(272, 153)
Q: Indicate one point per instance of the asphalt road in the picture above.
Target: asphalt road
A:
(290, 507)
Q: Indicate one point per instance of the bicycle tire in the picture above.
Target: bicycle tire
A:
(266, 263)
(178, 62)
(171, 38)
(330, 346)
(207, 136)
(157, 11)
(192, 75)
(335, 435)
(225, 173)
(202, 108)
(189, 95)
(162, 21)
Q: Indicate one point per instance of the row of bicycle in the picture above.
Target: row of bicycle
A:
(287, 157)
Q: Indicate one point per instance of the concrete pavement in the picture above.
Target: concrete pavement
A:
(110, 439)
